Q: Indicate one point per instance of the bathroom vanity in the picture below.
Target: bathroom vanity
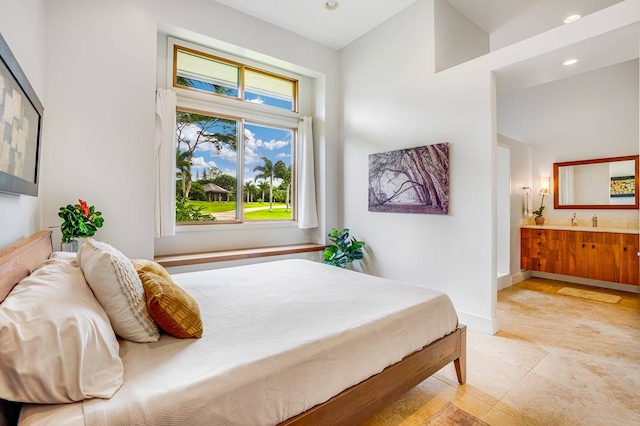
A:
(606, 254)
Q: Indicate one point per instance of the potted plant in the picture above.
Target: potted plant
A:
(78, 221)
(539, 219)
(344, 251)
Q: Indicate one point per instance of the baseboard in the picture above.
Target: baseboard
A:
(504, 282)
(486, 325)
(588, 281)
(509, 280)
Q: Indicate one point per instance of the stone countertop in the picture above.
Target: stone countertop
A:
(585, 228)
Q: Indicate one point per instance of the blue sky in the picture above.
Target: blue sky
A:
(273, 143)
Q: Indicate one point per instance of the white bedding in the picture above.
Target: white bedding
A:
(278, 339)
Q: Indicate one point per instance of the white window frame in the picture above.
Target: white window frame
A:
(209, 103)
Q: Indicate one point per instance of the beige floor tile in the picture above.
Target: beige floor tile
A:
(376, 420)
(557, 360)
(508, 347)
(495, 417)
(594, 374)
(425, 394)
(533, 328)
(538, 401)
(601, 339)
(488, 378)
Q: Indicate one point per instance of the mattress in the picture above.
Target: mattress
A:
(279, 338)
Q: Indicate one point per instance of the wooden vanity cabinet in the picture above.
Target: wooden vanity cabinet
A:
(541, 250)
(629, 261)
(602, 256)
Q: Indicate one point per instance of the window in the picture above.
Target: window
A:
(207, 73)
(236, 130)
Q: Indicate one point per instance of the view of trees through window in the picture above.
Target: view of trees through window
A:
(208, 172)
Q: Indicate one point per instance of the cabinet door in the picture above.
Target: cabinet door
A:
(604, 261)
(575, 259)
(629, 264)
(549, 261)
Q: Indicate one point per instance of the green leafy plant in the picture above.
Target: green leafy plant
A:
(187, 212)
(79, 221)
(344, 251)
(538, 212)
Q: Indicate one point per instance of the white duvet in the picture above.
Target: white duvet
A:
(278, 339)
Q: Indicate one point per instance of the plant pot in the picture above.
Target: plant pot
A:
(539, 220)
(71, 246)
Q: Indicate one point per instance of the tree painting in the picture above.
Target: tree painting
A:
(413, 180)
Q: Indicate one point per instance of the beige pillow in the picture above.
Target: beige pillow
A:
(117, 287)
(172, 308)
(56, 343)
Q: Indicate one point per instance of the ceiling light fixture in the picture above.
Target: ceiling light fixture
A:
(572, 18)
(331, 5)
(569, 62)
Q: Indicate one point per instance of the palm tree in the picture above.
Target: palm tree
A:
(249, 189)
(269, 170)
(183, 166)
(262, 187)
(286, 179)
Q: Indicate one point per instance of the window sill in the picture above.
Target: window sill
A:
(236, 226)
(241, 254)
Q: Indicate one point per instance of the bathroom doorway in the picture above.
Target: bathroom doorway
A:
(503, 226)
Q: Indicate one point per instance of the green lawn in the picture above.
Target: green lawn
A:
(277, 213)
(217, 207)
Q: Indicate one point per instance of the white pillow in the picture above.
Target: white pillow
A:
(56, 343)
(117, 287)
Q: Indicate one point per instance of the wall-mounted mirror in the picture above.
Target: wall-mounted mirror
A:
(603, 183)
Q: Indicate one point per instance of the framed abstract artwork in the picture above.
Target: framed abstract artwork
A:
(412, 180)
(20, 128)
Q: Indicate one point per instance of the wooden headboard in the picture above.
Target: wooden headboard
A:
(20, 259)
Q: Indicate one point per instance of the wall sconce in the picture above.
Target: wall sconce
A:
(545, 183)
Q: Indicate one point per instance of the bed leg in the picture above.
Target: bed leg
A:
(461, 363)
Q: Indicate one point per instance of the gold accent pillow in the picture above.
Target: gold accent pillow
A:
(172, 308)
(145, 265)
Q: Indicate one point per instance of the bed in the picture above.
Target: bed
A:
(288, 342)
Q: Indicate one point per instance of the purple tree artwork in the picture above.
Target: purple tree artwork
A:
(413, 180)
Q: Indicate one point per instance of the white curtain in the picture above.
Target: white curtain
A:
(165, 152)
(307, 211)
(566, 195)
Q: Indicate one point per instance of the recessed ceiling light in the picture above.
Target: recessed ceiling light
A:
(331, 5)
(572, 18)
(569, 62)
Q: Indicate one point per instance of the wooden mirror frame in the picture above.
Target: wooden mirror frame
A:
(556, 166)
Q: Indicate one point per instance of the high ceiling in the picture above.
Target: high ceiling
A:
(353, 18)
(309, 18)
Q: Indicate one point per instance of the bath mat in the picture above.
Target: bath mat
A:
(451, 415)
(591, 295)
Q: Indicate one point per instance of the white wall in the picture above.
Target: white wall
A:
(592, 115)
(22, 27)
(457, 38)
(100, 84)
(539, 17)
(415, 106)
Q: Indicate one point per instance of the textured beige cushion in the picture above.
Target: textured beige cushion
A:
(173, 309)
(56, 343)
(117, 287)
(145, 265)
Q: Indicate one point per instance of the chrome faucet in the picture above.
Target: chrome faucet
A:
(574, 220)
(594, 221)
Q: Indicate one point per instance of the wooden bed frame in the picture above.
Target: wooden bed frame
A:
(349, 407)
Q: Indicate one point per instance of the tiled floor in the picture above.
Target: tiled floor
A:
(557, 360)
